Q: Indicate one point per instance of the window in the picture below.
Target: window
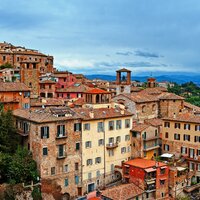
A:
(191, 153)
(127, 137)
(66, 182)
(162, 182)
(89, 162)
(127, 123)
(53, 170)
(177, 136)
(86, 127)
(197, 127)
(77, 127)
(111, 140)
(98, 160)
(187, 126)
(198, 152)
(143, 109)
(134, 134)
(26, 106)
(61, 151)
(177, 125)
(184, 150)
(162, 170)
(30, 85)
(44, 132)
(76, 180)
(156, 132)
(45, 151)
(147, 195)
(26, 94)
(98, 173)
(60, 130)
(118, 139)
(163, 194)
(111, 153)
(112, 168)
(118, 124)
(100, 127)
(76, 166)
(90, 175)
(196, 138)
(166, 147)
(123, 150)
(166, 134)
(191, 166)
(77, 146)
(111, 125)
(66, 168)
(167, 124)
(128, 149)
(154, 107)
(4, 58)
(101, 142)
(186, 137)
(88, 144)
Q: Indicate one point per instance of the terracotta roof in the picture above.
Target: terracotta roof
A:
(171, 96)
(13, 87)
(143, 163)
(79, 101)
(191, 106)
(185, 117)
(48, 102)
(101, 113)
(123, 70)
(80, 88)
(154, 122)
(47, 114)
(135, 89)
(156, 90)
(140, 127)
(96, 91)
(122, 192)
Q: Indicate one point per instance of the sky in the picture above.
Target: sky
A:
(101, 36)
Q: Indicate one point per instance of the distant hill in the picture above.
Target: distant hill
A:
(172, 78)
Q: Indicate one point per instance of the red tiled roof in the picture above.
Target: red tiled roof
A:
(192, 107)
(48, 81)
(13, 87)
(143, 163)
(185, 117)
(170, 96)
(122, 192)
(140, 127)
(96, 91)
(154, 122)
(80, 88)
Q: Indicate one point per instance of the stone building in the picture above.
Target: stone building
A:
(14, 95)
(54, 137)
(149, 175)
(181, 138)
(105, 144)
(47, 89)
(17, 54)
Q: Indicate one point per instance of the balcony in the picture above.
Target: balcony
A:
(151, 138)
(61, 136)
(151, 148)
(22, 132)
(61, 155)
(189, 189)
(151, 187)
(111, 145)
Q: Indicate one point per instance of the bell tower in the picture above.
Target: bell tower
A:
(123, 81)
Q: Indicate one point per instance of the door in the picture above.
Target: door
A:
(90, 187)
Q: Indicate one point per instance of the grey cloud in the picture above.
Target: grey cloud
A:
(147, 54)
(127, 53)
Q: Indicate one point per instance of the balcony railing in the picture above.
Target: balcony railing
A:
(151, 148)
(61, 155)
(111, 145)
(189, 189)
(22, 132)
(151, 138)
(60, 136)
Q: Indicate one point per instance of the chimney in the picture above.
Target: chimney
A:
(122, 111)
(91, 114)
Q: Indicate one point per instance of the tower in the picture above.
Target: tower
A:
(123, 81)
(151, 82)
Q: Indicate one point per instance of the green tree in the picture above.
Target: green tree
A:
(6, 65)
(22, 168)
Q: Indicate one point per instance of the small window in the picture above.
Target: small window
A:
(89, 162)
(90, 175)
(162, 171)
(123, 150)
(187, 126)
(77, 146)
(118, 139)
(98, 173)
(76, 166)
(101, 142)
(111, 153)
(166, 134)
(167, 124)
(76, 180)
(77, 127)
(111, 125)
(176, 136)
(144, 109)
(45, 151)
(98, 160)
(66, 182)
(177, 125)
(66, 168)
(44, 132)
(118, 124)
(127, 137)
(100, 127)
(53, 170)
(112, 167)
(127, 123)
(86, 127)
(88, 144)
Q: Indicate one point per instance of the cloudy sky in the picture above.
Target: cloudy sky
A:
(100, 36)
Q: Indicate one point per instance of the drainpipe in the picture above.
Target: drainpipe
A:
(104, 152)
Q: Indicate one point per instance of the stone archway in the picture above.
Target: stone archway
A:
(66, 196)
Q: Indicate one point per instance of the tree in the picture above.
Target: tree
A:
(6, 65)
(22, 168)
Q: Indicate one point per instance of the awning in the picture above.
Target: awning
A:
(180, 168)
(167, 155)
(126, 166)
(151, 182)
(163, 167)
(150, 170)
(162, 179)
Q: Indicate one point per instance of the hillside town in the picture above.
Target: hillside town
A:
(101, 140)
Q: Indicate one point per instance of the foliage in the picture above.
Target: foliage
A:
(36, 193)
(6, 65)
(190, 91)
(182, 198)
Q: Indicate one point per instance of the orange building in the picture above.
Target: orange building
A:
(14, 95)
